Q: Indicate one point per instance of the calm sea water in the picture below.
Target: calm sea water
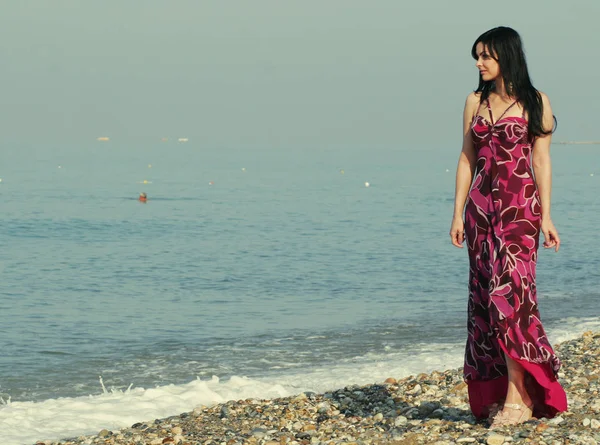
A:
(258, 263)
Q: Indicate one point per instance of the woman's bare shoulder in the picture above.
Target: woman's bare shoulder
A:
(545, 99)
(472, 101)
(547, 114)
(473, 98)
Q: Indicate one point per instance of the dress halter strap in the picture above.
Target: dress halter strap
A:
(490, 111)
(502, 115)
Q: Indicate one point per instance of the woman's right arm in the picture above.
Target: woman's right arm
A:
(464, 172)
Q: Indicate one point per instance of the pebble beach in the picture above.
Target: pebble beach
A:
(419, 409)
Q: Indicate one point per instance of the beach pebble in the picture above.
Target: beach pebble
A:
(459, 388)
(415, 391)
(411, 412)
(495, 439)
(437, 414)
(104, 433)
(259, 433)
(595, 424)
(400, 420)
(297, 426)
(224, 412)
(595, 406)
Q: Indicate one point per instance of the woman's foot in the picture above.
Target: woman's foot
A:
(512, 414)
(493, 410)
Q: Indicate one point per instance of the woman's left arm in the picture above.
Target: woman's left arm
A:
(542, 168)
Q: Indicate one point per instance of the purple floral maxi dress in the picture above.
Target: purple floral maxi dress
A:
(502, 227)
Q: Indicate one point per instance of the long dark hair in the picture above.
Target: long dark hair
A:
(505, 46)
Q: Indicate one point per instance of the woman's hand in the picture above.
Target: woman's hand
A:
(457, 232)
(551, 238)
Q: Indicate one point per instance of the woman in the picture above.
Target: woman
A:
(504, 170)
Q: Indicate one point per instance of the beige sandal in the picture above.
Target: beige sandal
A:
(504, 418)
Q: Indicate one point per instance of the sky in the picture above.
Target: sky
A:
(280, 74)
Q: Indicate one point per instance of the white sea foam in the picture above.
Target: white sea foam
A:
(27, 422)
(24, 423)
(572, 327)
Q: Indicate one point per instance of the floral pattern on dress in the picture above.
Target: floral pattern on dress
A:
(502, 228)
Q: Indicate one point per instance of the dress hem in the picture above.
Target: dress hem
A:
(548, 396)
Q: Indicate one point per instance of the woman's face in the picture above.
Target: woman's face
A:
(488, 67)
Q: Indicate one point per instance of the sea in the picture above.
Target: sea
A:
(248, 273)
